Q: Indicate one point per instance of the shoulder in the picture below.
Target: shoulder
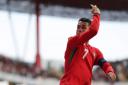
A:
(97, 50)
(69, 38)
(72, 37)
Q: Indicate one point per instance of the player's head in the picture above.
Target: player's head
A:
(83, 24)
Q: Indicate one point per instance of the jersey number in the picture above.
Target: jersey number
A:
(85, 53)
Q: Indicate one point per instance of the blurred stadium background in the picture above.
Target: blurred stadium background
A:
(33, 35)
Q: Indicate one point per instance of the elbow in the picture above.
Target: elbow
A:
(94, 32)
(94, 28)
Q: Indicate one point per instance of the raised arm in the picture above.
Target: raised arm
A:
(89, 32)
(93, 28)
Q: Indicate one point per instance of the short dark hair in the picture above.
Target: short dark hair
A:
(85, 20)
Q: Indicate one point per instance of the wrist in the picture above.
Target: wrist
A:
(96, 13)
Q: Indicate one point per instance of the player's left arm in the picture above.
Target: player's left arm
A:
(105, 65)
(107, 68)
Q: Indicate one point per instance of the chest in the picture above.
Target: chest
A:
(86, 51)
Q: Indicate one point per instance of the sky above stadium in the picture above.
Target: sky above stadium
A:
(17, 37)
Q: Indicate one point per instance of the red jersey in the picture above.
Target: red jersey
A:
(80, 57)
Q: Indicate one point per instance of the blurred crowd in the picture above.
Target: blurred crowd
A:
(25, 69)
(17, 67)
(55, 70)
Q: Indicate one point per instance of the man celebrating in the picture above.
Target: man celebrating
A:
(80, 57)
